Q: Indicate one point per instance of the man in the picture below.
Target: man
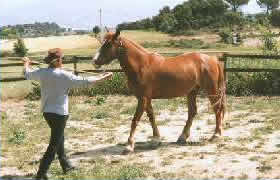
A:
(55, 84)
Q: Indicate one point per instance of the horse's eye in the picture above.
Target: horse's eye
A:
(108, 45)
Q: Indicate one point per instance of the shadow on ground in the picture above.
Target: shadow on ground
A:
(11, 177)
(119, 149)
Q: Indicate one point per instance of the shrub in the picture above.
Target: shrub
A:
(226, 36)
(117, 85)
(100, 100)
(35, 94)
(17, 137)
(101, 115)
(20, 48)
(275, 18)
(96, 30)
(269, 42)
(6, 53)
(246, 84)
(182, 43)
(184, 32)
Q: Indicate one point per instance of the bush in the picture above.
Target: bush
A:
(17, 137)
(35, 94)
(117, 85)
(100, 100)
(182, 43)
(20, 48)
(96, 30)
(246, 84)
(275, 18)
(184, 33)
(226, 36)
(6, 53)
(269, 42)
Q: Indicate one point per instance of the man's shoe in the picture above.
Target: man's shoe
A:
(41, 177)
(68, 169)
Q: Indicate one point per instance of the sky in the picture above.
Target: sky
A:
(85, 13)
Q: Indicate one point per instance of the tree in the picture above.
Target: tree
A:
(268, 4)
(20, 48)
(168, 23)
(275, 17)
(164, 10)
(183, 15)
(96, 30)
(235, 4)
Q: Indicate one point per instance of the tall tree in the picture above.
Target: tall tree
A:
(20, 48)
(235, 4)
(268, 4)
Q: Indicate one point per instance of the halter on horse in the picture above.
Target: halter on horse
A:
(152, 76)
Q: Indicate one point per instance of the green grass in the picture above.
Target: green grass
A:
(100, 169)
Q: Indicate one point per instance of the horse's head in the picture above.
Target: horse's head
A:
(109, 49)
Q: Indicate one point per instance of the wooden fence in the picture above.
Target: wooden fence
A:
(224, 58)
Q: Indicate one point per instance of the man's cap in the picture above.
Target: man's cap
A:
(53, 54)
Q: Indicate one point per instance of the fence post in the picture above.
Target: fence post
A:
(225, 67)
(75, 61)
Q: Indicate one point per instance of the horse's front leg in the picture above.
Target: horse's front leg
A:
(151, 116)
(142, 103)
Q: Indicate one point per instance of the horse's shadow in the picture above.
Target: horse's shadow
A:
(119, 149)
(15, 177)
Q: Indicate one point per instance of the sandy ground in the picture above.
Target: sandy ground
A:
(45, 43)
(229, 157)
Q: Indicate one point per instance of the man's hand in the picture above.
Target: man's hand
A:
(107, 75)
(103, 77)
(26, 61)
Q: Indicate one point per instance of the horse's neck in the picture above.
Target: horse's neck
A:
(133, 56)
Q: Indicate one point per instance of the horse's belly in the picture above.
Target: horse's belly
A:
(172, 90)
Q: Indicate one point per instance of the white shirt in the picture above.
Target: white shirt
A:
(55, 84)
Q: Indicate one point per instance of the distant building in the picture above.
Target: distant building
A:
(29, 30)
(81, 30)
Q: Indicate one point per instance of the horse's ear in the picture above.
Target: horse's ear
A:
(116, 35)
(106, 29)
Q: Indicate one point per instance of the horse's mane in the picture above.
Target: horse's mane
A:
(137, 45)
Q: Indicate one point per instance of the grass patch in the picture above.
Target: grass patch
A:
(100, 100)
(181, 43)
(100, 169)
(254, 158)
(18, 136)
(101, 115)
(130, 110)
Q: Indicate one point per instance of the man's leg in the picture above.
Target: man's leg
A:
(64, 162)
(57, 131)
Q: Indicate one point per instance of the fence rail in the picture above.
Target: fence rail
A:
(223, 58)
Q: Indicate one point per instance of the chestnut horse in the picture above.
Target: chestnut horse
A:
(152, 76)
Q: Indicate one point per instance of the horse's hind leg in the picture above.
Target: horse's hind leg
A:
(151, 116)
(192, 111)
(142, 103)
(217, 103)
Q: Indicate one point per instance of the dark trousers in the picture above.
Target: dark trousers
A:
(56, 145)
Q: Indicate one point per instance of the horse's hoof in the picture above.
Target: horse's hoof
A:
(181, 140)
(215, 137)
(155, 138)
(127, 150)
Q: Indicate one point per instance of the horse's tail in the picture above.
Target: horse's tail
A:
(222, 88)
